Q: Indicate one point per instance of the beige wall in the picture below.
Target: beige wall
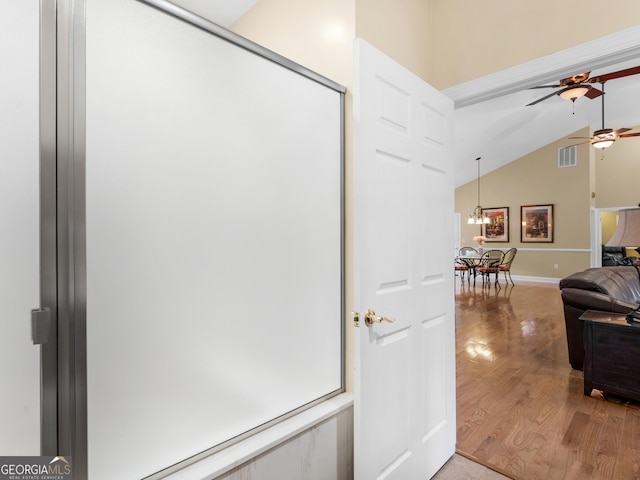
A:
(472, 39)
(609, 221)
(611, 174)
(445, 42)
(399, 29)
(535, 179)
(316, 34)
(618, 174)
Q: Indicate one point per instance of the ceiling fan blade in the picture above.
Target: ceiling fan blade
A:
(621, 130)
(637, 134)
(545, 86)
(581, 143)
(578, 138)
(619, 74)
(593, 93)
(545, 97)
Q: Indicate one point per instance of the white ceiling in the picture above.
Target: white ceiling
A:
(504, 129)
(501, 128)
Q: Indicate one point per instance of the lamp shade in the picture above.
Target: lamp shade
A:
(627, 232)
(602, 143)
(574, 92)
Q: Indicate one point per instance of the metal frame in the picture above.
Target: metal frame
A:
(63, 133)
(62, 197)
(343, 243)
(218, 31)
(48, 230)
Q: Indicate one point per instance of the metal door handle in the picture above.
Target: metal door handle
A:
(40, 325)
(370, 318)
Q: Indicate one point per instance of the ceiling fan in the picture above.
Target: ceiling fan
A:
(580, 85)
(605, 137)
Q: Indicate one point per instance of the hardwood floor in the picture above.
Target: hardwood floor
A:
(520, 407)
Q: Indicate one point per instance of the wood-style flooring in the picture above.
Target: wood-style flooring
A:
(520, 407)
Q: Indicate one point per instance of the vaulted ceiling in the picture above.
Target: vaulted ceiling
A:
(503, 129)
(492, 120)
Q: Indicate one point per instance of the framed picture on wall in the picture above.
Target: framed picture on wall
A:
(497, 230)
(537, 224)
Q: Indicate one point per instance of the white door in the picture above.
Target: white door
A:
(405, 370)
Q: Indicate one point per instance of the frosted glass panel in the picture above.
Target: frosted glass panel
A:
(19, 237)
(213, 240)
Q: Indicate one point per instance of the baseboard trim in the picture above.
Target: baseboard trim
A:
(544, 280)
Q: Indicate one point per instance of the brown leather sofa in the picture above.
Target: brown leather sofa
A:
(608, 289)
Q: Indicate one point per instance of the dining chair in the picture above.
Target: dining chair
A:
(465, 266)
(490, 263)
(507, 260)
(461, 268)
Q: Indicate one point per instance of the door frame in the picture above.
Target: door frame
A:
(596, 232)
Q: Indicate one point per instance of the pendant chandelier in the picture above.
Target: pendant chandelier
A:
(477, 217)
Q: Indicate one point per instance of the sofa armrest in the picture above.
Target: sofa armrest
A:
(590, 300)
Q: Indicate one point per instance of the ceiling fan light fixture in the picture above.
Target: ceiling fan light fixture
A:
(603, 138)
(603, 143)
(574, 92)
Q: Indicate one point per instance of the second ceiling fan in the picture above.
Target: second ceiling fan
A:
(581, 85)
(605, 137)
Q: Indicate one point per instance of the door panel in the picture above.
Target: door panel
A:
(433, 351)
(213, 239)
(391, 241)
(19, 217)
(405, 369)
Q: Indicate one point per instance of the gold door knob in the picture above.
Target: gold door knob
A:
(370, 318)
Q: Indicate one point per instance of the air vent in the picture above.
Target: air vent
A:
(567, 157)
